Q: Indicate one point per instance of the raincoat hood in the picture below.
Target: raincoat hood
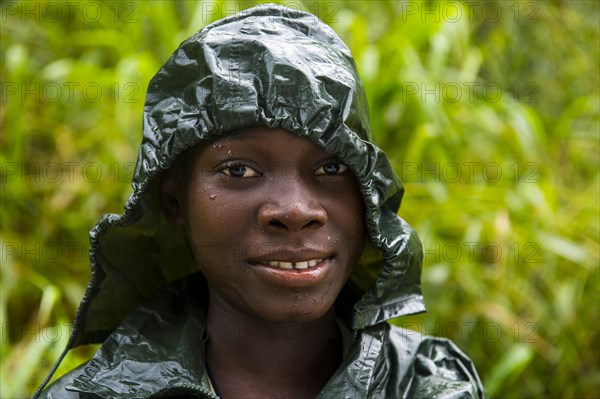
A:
(270, 66)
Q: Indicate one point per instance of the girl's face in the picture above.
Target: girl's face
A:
(275, 223)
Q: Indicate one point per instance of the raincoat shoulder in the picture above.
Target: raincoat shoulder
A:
(58, 389)
(157, 351)
(430, 367)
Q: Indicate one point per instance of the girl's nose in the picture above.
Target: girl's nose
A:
(294, 210)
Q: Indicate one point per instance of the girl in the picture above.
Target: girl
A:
(260, 254)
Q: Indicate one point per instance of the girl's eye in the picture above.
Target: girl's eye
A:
(331, 168)
(240, 171)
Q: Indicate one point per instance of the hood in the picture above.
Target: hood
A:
(270, 66)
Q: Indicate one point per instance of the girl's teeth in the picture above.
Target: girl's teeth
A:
(286, 265)
(297, 265)
(301, 265)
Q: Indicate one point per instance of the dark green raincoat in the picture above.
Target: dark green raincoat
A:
(276, 67)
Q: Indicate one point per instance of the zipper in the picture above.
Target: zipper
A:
(193, 389)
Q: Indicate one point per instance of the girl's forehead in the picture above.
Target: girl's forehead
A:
(259, 140)
(250, 133)
(261, 134)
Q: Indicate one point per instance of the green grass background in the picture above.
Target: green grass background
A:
(489, 111)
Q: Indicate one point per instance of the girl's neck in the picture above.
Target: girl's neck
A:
(248, 357)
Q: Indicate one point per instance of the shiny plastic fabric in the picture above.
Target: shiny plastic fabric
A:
(276, 67)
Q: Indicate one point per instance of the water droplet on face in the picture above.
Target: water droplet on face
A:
(212, 196)
(229, 152)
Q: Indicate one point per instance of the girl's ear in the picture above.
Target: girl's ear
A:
(170, 195)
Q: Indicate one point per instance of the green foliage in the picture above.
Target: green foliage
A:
(490, 114)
